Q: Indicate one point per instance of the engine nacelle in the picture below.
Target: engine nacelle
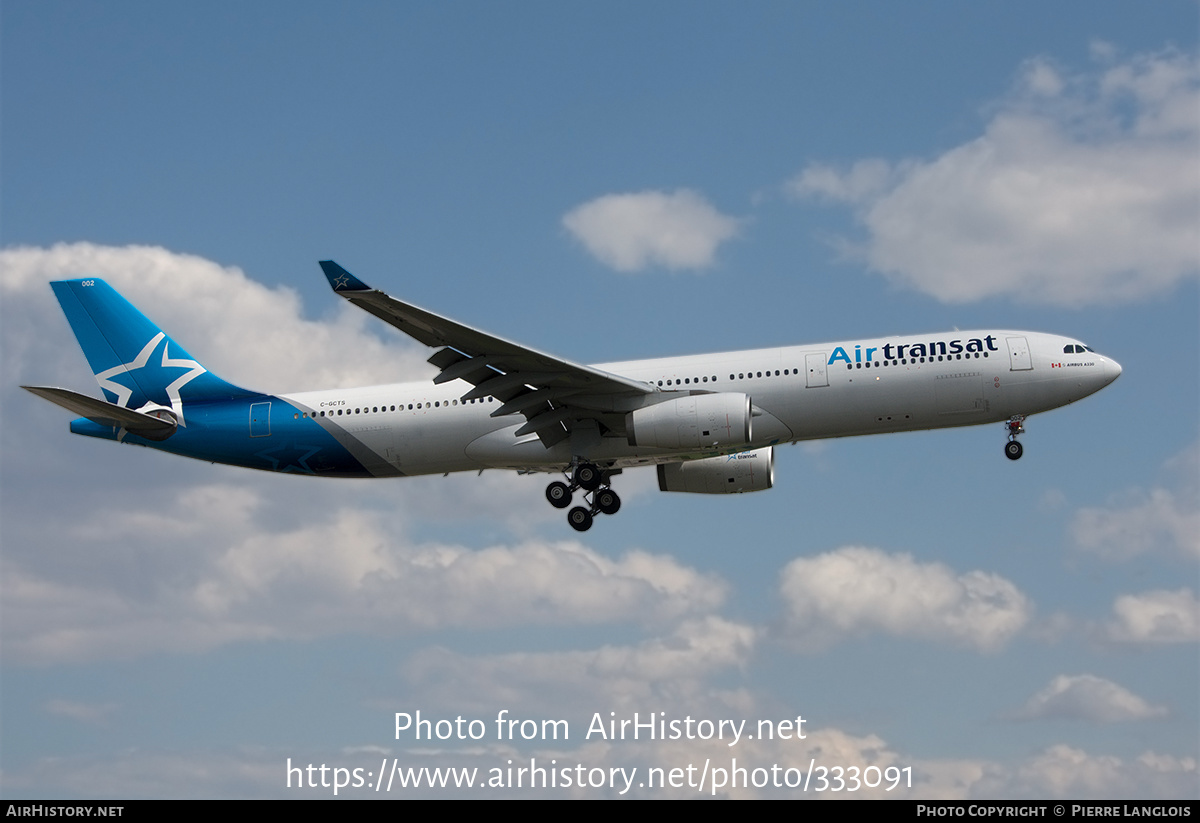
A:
(699, 421)
(158, 413)
(751, 471)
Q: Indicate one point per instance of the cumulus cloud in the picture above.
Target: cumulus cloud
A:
(1087, 697)
(1059, 771)
(196, 557)
(668, 670)
(1155, 618)
(240, 329)
(234, 573)
(1139, 521)
(855, 591)
(631, 232)
(1083, 188)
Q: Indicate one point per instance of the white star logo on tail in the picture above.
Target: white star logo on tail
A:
(124, 393)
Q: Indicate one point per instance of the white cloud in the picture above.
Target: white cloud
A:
(1155, 618)
(255, 771)
(1087, 697)
(94, 713)
(1082, 189)
(233, 572)
(855, 591)
(1063, 771)
(240, 329)
(1139, 522)
(659, 672)
(631, 232)
(195, 557)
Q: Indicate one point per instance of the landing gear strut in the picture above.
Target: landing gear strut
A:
(1013, 448)
(600, 498)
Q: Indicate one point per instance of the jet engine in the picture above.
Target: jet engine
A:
(157, 412)
(750, 471)
(698, 421)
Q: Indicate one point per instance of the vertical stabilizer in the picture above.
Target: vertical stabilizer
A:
(134, 361)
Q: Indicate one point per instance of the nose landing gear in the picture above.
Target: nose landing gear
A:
(1013, 448)
(598, 495)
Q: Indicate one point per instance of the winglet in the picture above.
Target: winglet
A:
(340, 279)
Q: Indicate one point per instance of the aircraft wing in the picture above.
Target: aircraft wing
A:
(554, 395)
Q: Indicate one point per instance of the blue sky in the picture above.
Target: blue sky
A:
(606, 181)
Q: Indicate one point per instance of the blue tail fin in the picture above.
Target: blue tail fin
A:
(134, 361)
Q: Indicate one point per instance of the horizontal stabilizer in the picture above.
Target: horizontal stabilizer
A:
(107, 414)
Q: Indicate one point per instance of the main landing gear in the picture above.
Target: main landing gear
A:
(599, 497)
(1013, 448)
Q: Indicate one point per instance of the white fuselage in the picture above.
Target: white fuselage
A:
(798, 393)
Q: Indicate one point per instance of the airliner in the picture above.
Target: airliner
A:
(708, 423)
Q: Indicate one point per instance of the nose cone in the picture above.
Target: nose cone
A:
(1112, 370)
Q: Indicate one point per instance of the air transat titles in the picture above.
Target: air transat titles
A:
(904, 351)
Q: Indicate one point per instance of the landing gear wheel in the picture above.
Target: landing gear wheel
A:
(607, 501)
(580, 519)
(588, 476)
(559, 495)
(1013, 450)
